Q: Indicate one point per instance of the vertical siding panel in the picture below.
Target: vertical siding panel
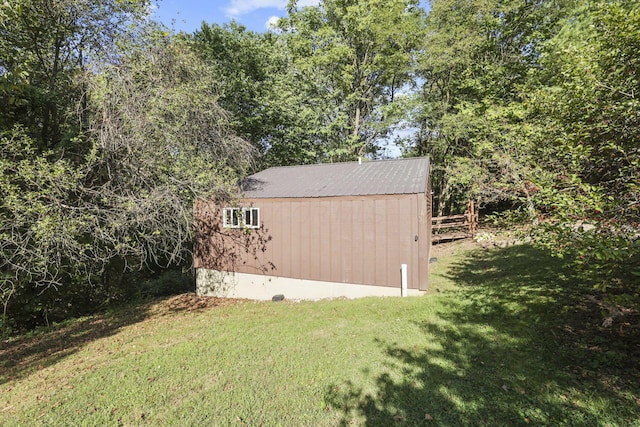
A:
(305, 238)
(263, 256)
(296, 244)
(380, 210)
(270, 215)
(407, 234)
(285, 232)
(393, 232)
(357, 242)
(369, 239)
(271, 221)
(313, 222)
(324, 223)
(335, 241)
(415, 245)
(346, 244)
(424, 229)
(283, 235)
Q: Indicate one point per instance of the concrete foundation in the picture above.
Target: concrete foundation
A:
(261, 287)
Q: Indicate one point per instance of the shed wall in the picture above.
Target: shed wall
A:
(349, 239)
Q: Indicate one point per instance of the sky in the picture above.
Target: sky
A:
(187, 15)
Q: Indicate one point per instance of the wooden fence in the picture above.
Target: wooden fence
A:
(455, 226)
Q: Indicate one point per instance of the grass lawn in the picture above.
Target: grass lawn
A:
(502, 338)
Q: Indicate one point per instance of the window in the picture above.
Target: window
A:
(241, 217)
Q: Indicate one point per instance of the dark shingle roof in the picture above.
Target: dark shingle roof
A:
(399, 176)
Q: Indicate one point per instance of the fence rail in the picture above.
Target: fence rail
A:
(457, 226)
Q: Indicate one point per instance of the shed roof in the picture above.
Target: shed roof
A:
(398, 176)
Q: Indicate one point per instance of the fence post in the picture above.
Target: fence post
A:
(472, 218)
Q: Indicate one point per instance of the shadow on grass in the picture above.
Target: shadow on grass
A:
(504, 351)
(22, 356)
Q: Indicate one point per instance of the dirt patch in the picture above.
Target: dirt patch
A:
(192, 302)
(444, 249)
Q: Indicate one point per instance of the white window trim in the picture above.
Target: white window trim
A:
(240, 215)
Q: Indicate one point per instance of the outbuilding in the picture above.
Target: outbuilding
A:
(319, 231)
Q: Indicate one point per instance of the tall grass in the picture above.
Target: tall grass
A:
(491, 348)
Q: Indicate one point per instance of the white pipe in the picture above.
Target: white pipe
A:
(403, 269)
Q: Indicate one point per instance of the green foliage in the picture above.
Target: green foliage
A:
(470, 111)
(167, 282)
(318, 88)
(508, 219)
(245, 65)
(349, 60)
(111, 191)
(44, 47)
(38, 228)
(591, 103)
(588, 108)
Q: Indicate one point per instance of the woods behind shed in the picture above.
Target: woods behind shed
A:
(319, 231)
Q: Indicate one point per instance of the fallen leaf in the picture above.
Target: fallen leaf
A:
(398, 417)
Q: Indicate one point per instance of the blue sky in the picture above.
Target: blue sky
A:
(187, 15)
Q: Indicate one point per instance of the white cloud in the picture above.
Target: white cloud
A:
(272, 22)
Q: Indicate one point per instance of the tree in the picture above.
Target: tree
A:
(352, 58)
(73, 222)
(257, 89)
(589, 107)
(470, 112)
(161, 140)
(44, 46)
(245, 64)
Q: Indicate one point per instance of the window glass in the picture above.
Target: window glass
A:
(241, 217)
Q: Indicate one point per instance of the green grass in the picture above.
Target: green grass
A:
(503, 338)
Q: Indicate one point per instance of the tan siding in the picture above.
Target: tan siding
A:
(369, 233)
(296, 242)
(334, 226)
(346, 249)
(315, 239)
(357, 239)
(325, 241)
(390, 257)
(360, 239)
(381, 233)
(274, 228)
(305, 233)
(424, 215)
(414, 278)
